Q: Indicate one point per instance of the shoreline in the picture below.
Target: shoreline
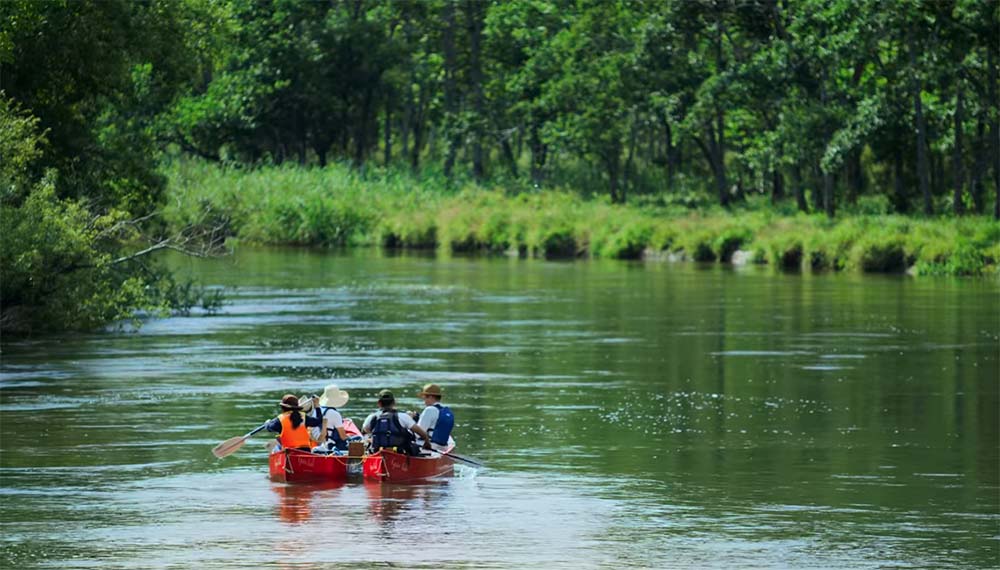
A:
(337, 206)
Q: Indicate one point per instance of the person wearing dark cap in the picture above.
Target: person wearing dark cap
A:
(390, 428)
(437, 420)
(292, 426)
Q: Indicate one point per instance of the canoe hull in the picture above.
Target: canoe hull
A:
(393, 467)
(294, 466)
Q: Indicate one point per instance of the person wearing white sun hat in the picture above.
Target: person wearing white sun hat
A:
(326, 411)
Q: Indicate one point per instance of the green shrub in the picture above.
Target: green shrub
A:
(558, 243)
(879, 255)
(730, 240)
(337, 205)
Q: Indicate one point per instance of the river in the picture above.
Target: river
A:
(654, 415)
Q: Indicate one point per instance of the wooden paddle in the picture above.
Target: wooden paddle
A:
(232, 445)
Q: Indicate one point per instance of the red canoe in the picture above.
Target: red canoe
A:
(293, 465)
(393, 467)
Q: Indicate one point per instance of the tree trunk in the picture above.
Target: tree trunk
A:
(855, 176)
(508, 154)
(979, 168)
(611, 163)
(418, 127)
(418, 133)
(321, 149)
(387, 135)
(718, 145)
(344, 132)
(995, 128)
(475, 23)
(777, 186)
(650, 145)
(627, 175)
(537, 155)
(713, 155)
(720, 159)
(404, 126)
(900, 199)
(450, 88)
(800, 191)
(918, 119)
(828, 194)
(361, 132)
(957, 203)
(668, 141)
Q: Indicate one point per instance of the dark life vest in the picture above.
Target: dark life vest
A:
(388, 432)
(445, 423)
(331, 432)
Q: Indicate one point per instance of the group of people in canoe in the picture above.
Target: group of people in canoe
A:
(316, 424)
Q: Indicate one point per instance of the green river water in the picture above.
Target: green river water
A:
(650, 415)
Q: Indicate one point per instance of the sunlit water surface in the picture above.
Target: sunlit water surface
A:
(661, 415)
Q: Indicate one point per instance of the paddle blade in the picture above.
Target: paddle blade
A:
(229, 447)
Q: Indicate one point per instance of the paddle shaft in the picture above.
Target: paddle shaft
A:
(460, 458)
(262, 427)
(231, 445)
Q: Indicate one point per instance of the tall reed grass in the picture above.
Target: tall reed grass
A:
(339, 205)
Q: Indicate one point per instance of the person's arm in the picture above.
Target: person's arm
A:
(336, 421)
(428, 418)
(422, 433)
(366, 426)
(274, 426)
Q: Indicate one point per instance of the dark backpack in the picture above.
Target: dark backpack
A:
(387, 432)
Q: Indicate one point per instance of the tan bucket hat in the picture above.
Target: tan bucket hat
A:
(333, 397)
(430, 390)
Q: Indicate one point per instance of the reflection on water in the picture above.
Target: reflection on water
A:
(652, 415)
(388, 502)
(295, 501)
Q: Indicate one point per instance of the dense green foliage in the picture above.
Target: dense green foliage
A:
(78, 180)
(338, 205)
(811, 105)
(822, 101)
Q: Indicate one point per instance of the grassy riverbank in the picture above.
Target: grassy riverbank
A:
(339, 206)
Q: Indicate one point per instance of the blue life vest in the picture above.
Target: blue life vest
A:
(388, 432)
(331, 432)
(445, 423)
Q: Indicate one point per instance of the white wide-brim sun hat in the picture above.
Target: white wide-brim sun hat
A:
(333, 397)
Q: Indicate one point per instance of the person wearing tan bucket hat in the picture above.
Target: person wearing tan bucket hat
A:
(437, 420)
(332, 422)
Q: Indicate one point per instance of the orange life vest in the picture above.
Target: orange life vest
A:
(290, 437)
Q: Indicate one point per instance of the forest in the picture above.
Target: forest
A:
(830, 134)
